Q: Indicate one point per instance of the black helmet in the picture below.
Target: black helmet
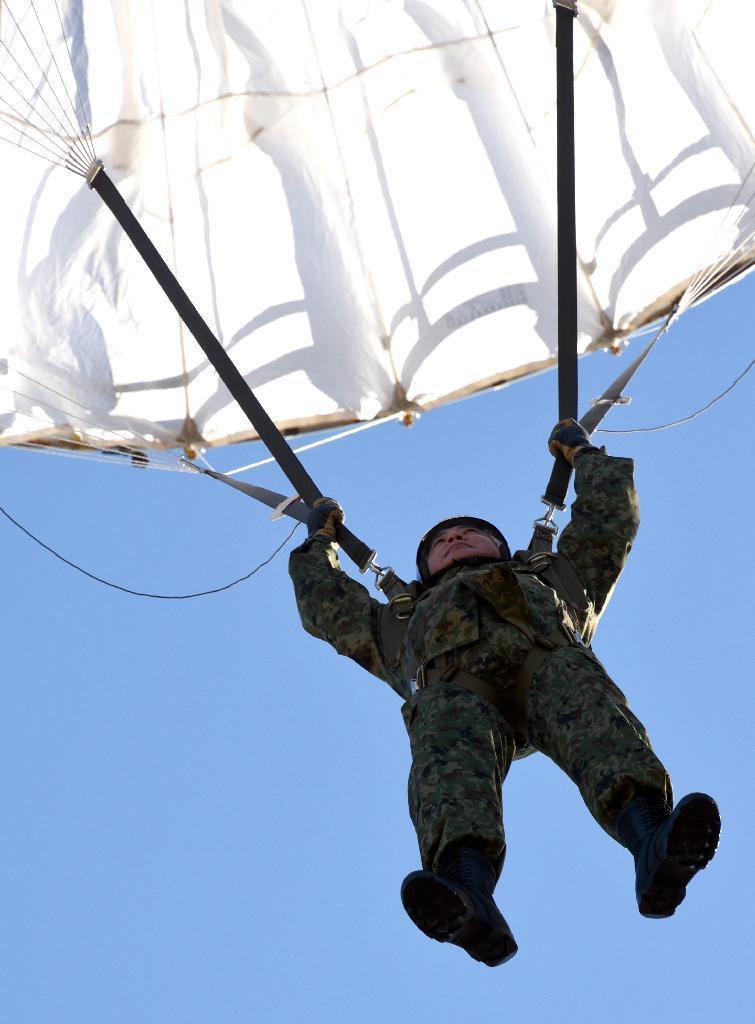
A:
(445, 524)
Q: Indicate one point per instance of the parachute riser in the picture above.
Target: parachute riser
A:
(303, 484)
(554, 498)
(568, 397)
(296, 508)
(386, 580)
(568, 394)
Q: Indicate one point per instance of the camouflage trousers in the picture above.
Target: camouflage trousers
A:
(462, 748)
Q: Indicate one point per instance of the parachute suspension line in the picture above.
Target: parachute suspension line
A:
(684, 419)
(142, 593)
(103, 456)
(61, 128)
(743, 223)
(34, 152)
(63, 137)
(52, 151)
(126, 439)
(83, 120)
(324, 440)
(82, 137)
(714, 274)
(76, 447)
(49, 408)
(71, 103)
(201, 456)
(302, 483)
(57, 150)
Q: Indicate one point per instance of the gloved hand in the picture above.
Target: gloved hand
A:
(324, 518)
(570, 439)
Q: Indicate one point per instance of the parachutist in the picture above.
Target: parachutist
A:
(493, 663)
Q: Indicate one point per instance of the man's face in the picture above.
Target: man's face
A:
(460, 542)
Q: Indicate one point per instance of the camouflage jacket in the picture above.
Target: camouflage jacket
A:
(470, 611)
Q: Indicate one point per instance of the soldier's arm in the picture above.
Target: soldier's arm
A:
(334, 607)
(605, 517)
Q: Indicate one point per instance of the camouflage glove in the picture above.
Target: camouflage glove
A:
(570, 439)
(325, 517)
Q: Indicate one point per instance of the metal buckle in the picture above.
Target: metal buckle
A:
(419, 682)
(569, 5)
(402, 606)
(574, 638)
(94, 169)
(546, 521)
(381, 571)
(540, 561)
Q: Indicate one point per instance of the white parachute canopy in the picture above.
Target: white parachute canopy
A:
(358, 195)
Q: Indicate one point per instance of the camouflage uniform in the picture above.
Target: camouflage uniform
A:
(462, 745)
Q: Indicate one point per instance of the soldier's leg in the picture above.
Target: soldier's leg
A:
(461, 752)
(580, 719)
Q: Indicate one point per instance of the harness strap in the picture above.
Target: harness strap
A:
(443, 669)
(466, 682)
(401, 596)
(543, 646)
(559, 574)
(393, 621)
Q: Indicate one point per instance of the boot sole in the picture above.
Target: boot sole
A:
(444, 914)
(690, 847)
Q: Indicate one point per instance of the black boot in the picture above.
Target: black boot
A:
(456, 905)
(669, 848)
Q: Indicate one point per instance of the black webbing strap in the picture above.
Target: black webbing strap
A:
(219, 358)
(568, 397)
(568, 392)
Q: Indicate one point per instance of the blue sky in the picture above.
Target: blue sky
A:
(205, 809)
